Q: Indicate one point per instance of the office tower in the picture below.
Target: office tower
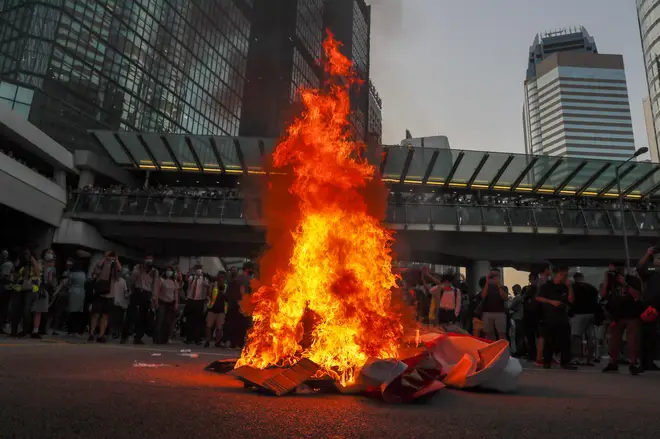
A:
(651, 135)
(171, 66)
(375, 124)
(576, 100)
(285, 48)
(648, 13)
(350, 22)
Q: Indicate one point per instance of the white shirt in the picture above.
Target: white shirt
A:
(197, 288)
(119, 292)
(449, 300)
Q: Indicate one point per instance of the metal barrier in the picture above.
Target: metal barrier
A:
(88, 205)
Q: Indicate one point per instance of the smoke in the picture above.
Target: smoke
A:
(386, 18)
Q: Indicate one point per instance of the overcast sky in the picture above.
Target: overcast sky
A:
(456, 67)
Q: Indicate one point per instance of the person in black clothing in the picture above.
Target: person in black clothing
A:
(233, 329)
(531, 316)
(216, 312)
(623, 296)
(555, 298)
(584, 311)
(649, 270)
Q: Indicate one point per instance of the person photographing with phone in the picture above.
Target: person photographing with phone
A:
(555, 298)
(623, 303)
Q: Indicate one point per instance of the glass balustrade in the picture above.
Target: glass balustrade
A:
(190, 207)
(495, 216)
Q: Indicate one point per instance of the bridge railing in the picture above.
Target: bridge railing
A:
(424, 216)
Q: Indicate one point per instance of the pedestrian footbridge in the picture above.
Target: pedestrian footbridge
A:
(505, 233)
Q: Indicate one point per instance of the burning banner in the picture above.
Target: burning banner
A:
(327, 311)
(339, 275)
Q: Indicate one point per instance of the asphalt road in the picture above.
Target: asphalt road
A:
(91, 391)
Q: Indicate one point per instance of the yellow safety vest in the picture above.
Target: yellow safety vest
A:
(214, 296)
(18, 280)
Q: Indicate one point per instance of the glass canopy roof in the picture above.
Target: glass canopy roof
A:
(495, 171)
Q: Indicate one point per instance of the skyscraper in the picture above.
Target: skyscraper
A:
(285, 48)
(648, 13)
(651, 135)
(171, 66)
(375, 124)
(286, 43)
(576, 100)
(350, 21)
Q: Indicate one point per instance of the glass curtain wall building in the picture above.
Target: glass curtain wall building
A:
(350, 21)
(576, 100)
(648, 13)
(285, 45)
(285, 48)
(170, 66)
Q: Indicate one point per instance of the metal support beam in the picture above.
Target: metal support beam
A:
(429, 169)
(501, 171)
(239, 154)
(570, 177)
(477, 170)
(622, 174)
(383, 162)
(454, 167)
(216, 153)
(547, 175)
(194, 154)
(406, 165)
(522, 175)
(636, 184)
(126, 150)
(169, 149)
(593, 178)
(651, 191)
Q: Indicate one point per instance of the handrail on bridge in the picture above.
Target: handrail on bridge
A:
(459, 217)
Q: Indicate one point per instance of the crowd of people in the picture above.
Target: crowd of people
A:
(487, 200)
(553, 319)
(122, 303)
(11, 155)
(163, 191)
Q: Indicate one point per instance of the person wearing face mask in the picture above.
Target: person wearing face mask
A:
(106, 275)
(166, 301)
(38, 300)
(6, 272)
(445, 300)
(195, 299)
(142, 284)
(121, 295)
(61, 298)
(26, 283)
(216, 312)
(76, 280)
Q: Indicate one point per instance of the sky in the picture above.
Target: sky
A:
(456, 67)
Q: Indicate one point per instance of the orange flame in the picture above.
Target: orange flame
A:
(339, 276)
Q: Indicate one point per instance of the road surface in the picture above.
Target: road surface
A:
(64, 390)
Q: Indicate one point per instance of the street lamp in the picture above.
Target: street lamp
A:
(639, 152)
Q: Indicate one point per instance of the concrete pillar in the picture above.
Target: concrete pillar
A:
(86, 179)
(60, 178)
(475, 271)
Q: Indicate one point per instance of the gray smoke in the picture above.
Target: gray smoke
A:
(386, 18)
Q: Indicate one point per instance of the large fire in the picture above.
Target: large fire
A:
(332, 302)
